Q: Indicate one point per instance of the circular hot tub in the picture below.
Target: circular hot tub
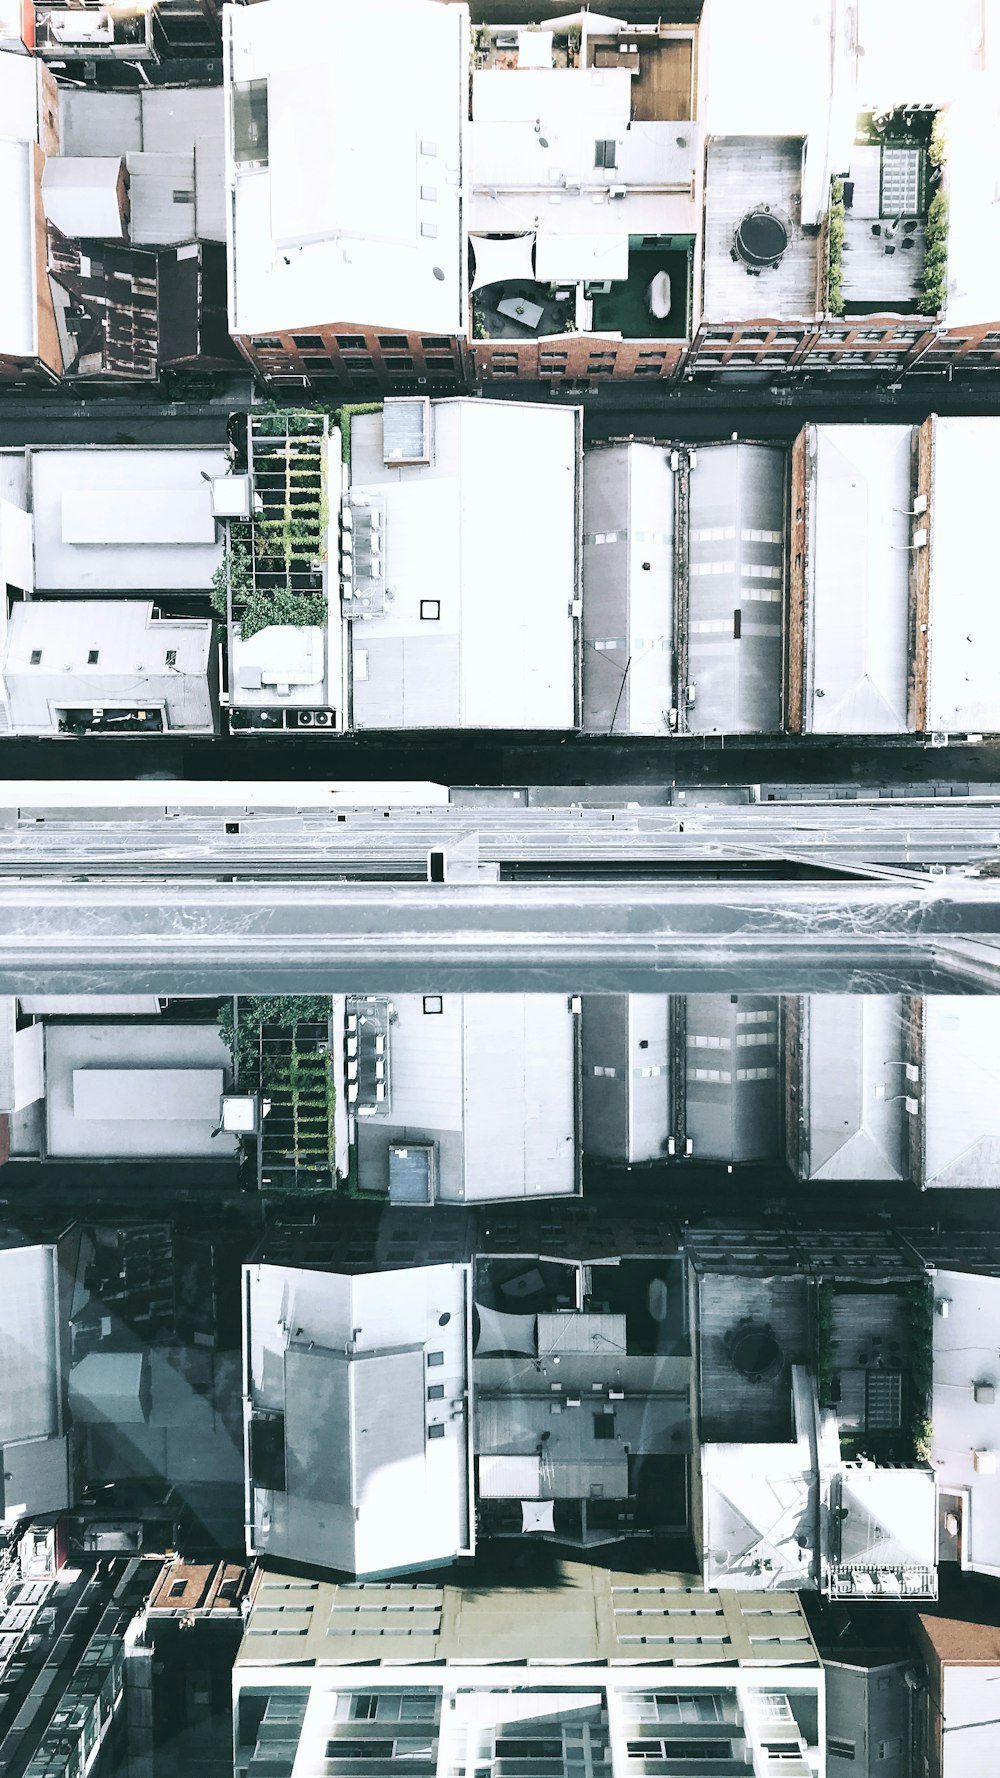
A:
(755, 1353)
(761, 237)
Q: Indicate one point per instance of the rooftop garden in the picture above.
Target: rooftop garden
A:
(281, 1049)
(272, 569)
(875, 1369)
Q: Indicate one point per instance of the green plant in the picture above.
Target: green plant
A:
(574, 37)
(937, 145)
(934, 291)
(835, 250)
(280, 605)
(283, 1011)
(343, 416)
(480, 331)
(922, 1432)
(235, 571)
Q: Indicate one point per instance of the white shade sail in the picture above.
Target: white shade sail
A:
(537, 1515)
(499, 1332)
(499, 259)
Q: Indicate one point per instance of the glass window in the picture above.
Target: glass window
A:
(250, 122)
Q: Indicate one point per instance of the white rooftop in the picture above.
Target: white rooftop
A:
(134, 1090)
(18, 317)
(963, 690)
(370, 1487)
(972, 133)
(122, 519)
(965, 1353)
(959, 1098)
(857, 606)
(354, 216)
(491, 1079)
(531, 147)
(484, 536)
(853, 1056)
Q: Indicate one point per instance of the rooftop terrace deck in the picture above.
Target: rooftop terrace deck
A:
(744, 172)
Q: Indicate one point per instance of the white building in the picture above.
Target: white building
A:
(358, 1423)
(107, 666)
(886, 1087)
(580, 191)
(492, 1675)
(719, 670)
(34, 1445)
(87, 1087)
(966, 1416)
(344, 171)
(122, 519)
(463, 1098)
(462, 584)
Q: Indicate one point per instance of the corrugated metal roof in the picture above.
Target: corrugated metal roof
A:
(732, 1088)
(854, 1047)
(736, 578)
(162, 194)
(857, 617)
(628, 588)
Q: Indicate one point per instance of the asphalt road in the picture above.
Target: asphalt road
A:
(571, 761)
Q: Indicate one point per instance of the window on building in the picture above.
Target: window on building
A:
(364, 1708)
(433, 1003)
(308, 342)
(265, 342)
(178, 1588)
(352, 1750)
(393, 342)
(395, 364)
(430, 609)
(436, 345)
(429, 230)
(93, 656)
(509, 1747)
(436, 1431)
(680, 1750)
(604, 1426)
(36, 657)
(170, 658)
(435, 1358)
(605, 152)
(669, 1707)
(250, 122)
(351, 342)
(435, 1392)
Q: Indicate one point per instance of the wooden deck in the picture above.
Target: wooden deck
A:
(743, 171)
(732, 1408)
(870, 273)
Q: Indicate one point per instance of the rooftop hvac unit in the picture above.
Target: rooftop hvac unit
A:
(406, 430)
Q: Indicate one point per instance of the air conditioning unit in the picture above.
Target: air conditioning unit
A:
(984, 1462)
